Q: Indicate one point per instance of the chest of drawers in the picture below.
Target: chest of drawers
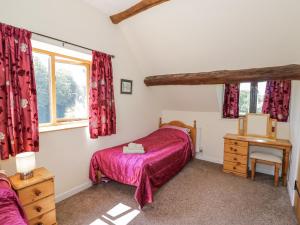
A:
(236, 157)
(37, 197)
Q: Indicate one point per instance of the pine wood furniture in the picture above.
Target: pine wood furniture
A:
(257, 125)
(37, 196)
(193, 129)
(236, 153)
(266, 158)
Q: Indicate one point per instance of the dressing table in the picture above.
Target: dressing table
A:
(236, 146)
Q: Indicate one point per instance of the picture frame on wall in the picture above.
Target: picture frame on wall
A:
(126, 86)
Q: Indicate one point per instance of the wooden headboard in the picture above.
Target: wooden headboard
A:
(193, 129)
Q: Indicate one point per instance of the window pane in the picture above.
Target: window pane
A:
(42, 77)
(261, 86)
(244, 104)
(71, 91)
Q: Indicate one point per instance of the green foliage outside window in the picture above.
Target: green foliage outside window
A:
(43, 92)
(66, 90)
(244, 102)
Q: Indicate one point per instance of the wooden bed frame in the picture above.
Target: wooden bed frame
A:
(193, 134)
(193, 129)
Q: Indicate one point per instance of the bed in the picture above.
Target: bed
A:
(11, 211)
(167, 151)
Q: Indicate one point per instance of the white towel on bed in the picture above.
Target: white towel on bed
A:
(133, 148)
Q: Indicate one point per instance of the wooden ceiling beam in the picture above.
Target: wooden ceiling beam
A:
(288, 72)
(137, 8)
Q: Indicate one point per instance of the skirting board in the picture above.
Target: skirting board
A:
(291, 191)
(208, 159)
(72, 191)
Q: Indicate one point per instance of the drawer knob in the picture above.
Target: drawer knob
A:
(39, 223)
(37, 192)
(233, 149)
(235, 159)
(235, 143)
(38, 208)
(234, 168)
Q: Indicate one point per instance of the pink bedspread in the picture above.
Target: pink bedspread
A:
(11, 212)
(167, 152)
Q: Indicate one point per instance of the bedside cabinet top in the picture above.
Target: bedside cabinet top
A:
(39, 175)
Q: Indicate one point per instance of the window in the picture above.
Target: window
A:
(251, 97)
(62, 87)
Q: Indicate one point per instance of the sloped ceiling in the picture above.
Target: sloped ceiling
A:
(111, 7)
(204, 35)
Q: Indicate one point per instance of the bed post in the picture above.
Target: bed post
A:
(98, 177)
(160, 121)
(195, 124)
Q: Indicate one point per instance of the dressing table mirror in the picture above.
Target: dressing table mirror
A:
(257, 125)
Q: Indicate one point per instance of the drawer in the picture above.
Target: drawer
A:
(236, 173)
(45, 219)
(235, 158)
(36, 192)
(40, 207)
(236, 149)
(235, 166)
(236, 143)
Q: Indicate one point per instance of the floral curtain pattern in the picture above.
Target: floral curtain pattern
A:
(231, 101)
(102, 113)
(18, 102)
(277, 99)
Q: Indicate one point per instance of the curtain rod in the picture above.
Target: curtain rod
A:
(66, 42)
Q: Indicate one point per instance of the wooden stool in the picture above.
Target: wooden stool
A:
(265, 158)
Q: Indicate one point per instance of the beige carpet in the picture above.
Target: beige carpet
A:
(200, 194)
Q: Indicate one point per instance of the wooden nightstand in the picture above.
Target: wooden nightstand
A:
(37, 196)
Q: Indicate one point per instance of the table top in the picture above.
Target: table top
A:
(39, 175)
(259, 140)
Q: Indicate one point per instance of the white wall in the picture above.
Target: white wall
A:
(295, 138)
(67, 153)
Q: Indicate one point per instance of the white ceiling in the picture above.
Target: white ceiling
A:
(182, 36)
(111, 7)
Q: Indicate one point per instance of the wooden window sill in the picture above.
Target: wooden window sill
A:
(63, 126)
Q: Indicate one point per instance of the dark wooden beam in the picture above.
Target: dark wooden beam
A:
(288, 72)
(137, 8)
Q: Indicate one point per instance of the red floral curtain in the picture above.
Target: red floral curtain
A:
(102, 115)
(277, 99)
(231, 101)
(18, 104)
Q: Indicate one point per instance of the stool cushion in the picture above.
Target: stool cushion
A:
(266, 157)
